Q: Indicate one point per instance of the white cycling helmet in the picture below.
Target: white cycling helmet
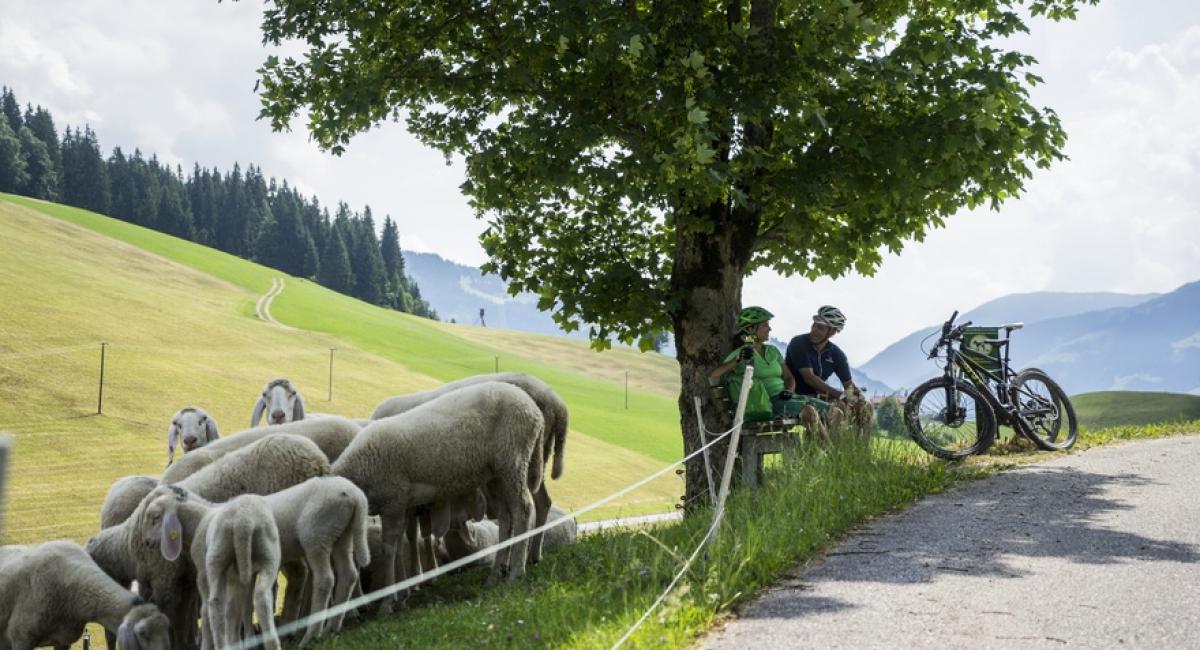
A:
(831, 316)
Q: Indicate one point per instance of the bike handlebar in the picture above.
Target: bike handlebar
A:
(949, 334)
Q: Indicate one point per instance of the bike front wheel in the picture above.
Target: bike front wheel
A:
(949, 419)
(1044, 410)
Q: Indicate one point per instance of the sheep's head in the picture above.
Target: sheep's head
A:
(193, 427)
(281, 403)
(144, 628)
(158, 521)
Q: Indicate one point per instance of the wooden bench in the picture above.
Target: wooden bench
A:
(758, 439)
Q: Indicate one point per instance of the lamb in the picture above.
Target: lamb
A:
(273, 463)
(50, 591)
(331, 434)
(322, 520)
(485, 434)
(280, 401)
(466, 537)
(122, 499)
(554, 411)
(236, 542)
(194, 427)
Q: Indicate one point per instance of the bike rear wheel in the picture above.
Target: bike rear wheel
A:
(1044, 411)
(949, 427)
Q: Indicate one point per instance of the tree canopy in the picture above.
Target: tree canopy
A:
(636, 160)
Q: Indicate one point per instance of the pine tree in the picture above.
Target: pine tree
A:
(85, 174)
(366, 260)
(12, 164)
(42, 124)
(122, 186)
(335, 264)
(11, 109)
(41, 180)
(173, 213)
(397, 295)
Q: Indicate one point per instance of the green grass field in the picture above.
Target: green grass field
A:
(1120, 408)
(179, 322)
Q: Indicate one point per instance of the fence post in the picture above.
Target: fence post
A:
(4, 451)
(331, 373)
(626, 390)
(100, 400)
(497, 365)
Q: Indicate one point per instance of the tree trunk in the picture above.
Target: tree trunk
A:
(707, 278)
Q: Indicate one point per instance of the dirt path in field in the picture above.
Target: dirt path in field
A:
(1098, 549)
(262, 308)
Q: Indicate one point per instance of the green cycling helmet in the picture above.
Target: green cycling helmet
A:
(751, 316)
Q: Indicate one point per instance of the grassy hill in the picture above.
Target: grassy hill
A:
(1119, 408)
(179, 322)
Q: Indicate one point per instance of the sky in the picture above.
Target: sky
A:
(176, 79)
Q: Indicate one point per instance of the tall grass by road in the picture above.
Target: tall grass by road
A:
(588, 595)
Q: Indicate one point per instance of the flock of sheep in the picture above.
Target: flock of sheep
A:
(341, 507)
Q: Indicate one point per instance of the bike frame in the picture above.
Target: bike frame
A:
(995, 387)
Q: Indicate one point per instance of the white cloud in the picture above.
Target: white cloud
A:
(176, 79)
(1134, 381)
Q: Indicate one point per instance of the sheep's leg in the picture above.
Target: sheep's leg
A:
(425, 534)
(522, 514)
(321, 580)
(206, 637)
(412, 532)
(264, 606)
(345, 579)
(213, 603)
(541, 511)
(385, 571)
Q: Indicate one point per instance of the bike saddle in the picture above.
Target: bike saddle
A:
(1013, 326)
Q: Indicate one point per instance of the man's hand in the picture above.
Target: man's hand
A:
(785, 394)
(746, 353)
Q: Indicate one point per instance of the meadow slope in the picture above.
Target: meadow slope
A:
(178, 320)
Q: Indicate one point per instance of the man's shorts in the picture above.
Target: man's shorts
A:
(792, 407)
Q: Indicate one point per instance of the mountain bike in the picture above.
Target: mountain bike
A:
(957, 414)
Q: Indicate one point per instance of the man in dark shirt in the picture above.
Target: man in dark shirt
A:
(812, 357)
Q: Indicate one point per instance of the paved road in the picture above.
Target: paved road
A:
(1094, 550)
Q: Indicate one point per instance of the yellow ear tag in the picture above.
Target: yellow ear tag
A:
(174, 535)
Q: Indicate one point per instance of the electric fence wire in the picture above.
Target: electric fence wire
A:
(300, 624)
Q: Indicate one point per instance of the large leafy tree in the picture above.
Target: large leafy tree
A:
(636, 160)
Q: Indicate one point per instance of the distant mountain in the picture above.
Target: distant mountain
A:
(458, 292)
(1088, 342)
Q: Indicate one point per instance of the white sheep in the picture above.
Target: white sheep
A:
(273, 463)
(280, 401)
(467, 537)
(235, 542)
(193, 427)
(450, 446)
(323, 521)
(120, 501)
(331, 434)
(50, 591)
(554, 412)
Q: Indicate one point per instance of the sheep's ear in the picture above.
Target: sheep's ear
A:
(127, 638)
(259, 407)
(298, 408)
(172, 536)
(172, 438)
(210, 426)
